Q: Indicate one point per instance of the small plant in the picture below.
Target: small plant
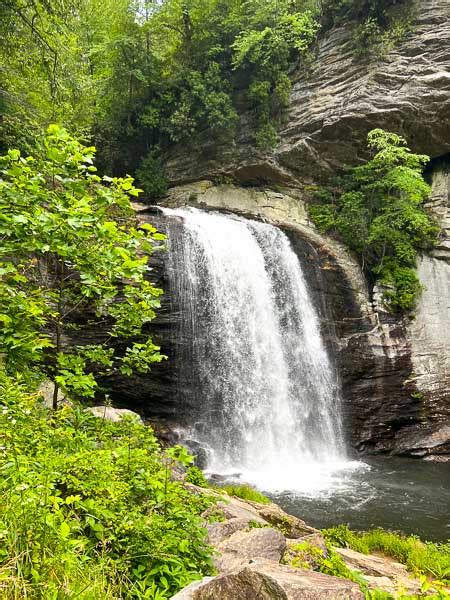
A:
(195, 476)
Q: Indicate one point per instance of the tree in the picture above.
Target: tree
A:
(69, 246)
(379, 214)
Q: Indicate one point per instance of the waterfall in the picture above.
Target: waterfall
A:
(267, 401)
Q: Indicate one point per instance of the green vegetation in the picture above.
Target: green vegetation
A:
(195, 476)
(88, 508)
(307, 555)
(379, 25)
(377, 212)
(69, 243)
(141, 77)
(428, 559)
(244, 491)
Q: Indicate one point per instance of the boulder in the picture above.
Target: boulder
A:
(243, 546)
(233, 508)
(217, 532)
(292, 527)
(246, 584)
(187, 593)
(113, 414)
(307, 585)
(378, 569)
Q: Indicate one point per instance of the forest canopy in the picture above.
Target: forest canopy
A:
(135, 77)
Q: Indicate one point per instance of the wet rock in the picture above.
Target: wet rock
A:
(200, 453)
(439, 458)
(113, 414)
(423, 440)
(243, 546)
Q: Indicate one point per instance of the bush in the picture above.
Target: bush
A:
(152, 177)
(88, 507)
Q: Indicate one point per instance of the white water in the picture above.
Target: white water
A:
(267, 400)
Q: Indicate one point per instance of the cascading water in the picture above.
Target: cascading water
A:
(267, 397)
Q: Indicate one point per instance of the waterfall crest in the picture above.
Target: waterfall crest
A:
(267, 396)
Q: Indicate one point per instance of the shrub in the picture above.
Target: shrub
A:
(88, 508)
(378, 213)
(195, 476)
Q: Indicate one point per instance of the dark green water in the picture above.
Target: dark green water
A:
(411, 496)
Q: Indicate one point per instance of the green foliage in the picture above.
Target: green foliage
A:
(69, 245)
(195, 475)
(378, 213)
(422, 558)
(151, 176)
(244, 491)
(377, 24)
(88, 508)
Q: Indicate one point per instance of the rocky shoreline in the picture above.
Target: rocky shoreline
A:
(264, 553)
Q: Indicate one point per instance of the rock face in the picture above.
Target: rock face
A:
(394, 401)
(339, 99)
(395, 373)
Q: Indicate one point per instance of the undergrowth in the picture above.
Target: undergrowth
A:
(88, 508)
(309, 556)
(422, 558)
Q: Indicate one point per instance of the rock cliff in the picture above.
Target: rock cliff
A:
(395, 372)
(338, 100)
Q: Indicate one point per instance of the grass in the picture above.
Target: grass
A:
(244, 491)
(422, 558)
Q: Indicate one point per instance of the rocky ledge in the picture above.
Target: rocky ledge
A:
(258, 547)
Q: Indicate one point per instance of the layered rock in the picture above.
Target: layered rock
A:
(338, 100)
(388, 405)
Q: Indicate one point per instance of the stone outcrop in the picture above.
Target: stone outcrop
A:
(338, 100)
(242, 546)
(249, 556)
(259, 563)
(380, 572)
(265, 580)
